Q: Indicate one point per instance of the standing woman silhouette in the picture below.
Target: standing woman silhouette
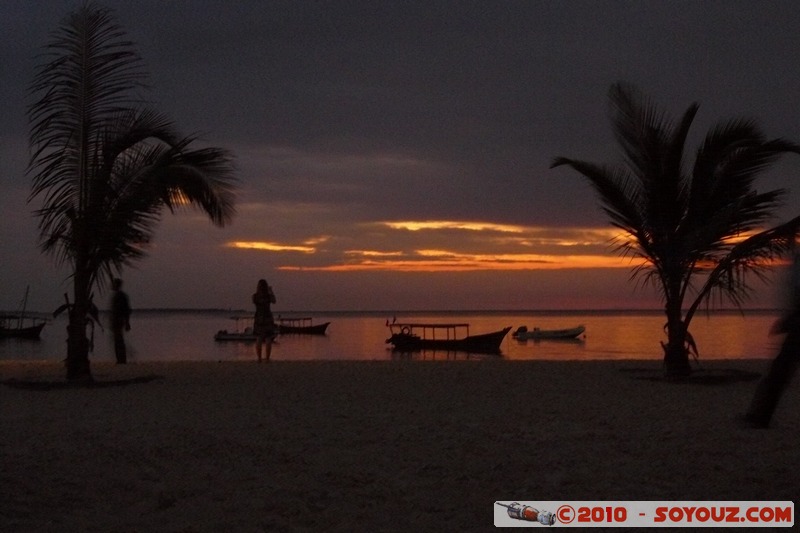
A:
(263, 324)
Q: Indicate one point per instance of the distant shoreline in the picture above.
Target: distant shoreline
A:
(390, 312)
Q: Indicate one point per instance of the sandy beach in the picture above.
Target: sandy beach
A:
(380, 446)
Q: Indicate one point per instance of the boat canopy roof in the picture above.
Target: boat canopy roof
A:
(429, 330)
(428, 325)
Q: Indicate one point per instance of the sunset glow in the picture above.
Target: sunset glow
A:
(454, 246)
(517, 234)
(449, 224)
(468, 246)
(271, 247)
(371, 153)
(372, 253)
(177, 197)
(442, 261)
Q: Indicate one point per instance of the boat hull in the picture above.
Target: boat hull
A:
(31, 332)
(484, 343)
(317, 329)
(224, 335)
(550, 334)
(245, 335)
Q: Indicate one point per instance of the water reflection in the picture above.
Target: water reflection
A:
(362, 336)
(441, 355)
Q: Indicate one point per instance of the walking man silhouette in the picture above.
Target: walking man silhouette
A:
(783, 367)
(120, 320)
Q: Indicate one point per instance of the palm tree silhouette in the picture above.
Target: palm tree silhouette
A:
(695, 229)
(105, 166)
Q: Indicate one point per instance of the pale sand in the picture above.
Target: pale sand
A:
(367, 446)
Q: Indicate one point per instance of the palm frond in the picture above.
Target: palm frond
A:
(89, 72)
(638, 126)
(201, 178)
(620, 195)
(689, 226)
(686, 224)
(732, 155)
(103, 165)
(653, 147)
(145, 178)
(755, 255)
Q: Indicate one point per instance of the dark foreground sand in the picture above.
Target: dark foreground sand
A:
(403, 445)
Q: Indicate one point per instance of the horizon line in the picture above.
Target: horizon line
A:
(278, 312)
(444, 310)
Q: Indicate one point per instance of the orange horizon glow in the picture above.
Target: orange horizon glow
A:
(372, 253)
(270, 247)
(452, 224)
(444, 261)
(514, 248)
(563, 236)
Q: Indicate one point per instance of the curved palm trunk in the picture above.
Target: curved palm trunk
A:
(77, 362)
(78, 368)
(676, 355)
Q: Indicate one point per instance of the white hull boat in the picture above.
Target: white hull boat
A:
(523, 333)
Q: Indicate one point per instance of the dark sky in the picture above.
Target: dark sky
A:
(344, 115)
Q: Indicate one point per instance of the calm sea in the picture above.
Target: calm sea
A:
(189, 335)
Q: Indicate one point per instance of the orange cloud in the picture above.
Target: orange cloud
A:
(517, 234)
(444, 261)
(313, 241)
(470, 246)
(459, 246)
(372, 253)
(270, 247)
(450, 224)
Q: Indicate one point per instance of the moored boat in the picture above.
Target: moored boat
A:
(13, 325)
(239, 334)
(20, 331)
(301, 326)
(523, 333)
(246, 335)
(407, 336)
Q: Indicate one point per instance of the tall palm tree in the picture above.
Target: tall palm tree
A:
(105, 166)
(698, 229)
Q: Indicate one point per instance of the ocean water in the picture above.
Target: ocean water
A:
(610, 335)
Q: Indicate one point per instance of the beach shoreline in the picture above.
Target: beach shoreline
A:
(383, 445)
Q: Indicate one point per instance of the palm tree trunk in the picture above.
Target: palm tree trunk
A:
(78, 367)
(676, 356)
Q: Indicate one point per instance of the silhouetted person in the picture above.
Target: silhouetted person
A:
(784, 365)
(263, 324)
(120, 320)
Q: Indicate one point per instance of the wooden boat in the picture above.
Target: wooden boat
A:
(13, 325)
(239, 334)
(301, 326)
(406, 336)
(246, 335)
(8, 328)
(522, 333)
